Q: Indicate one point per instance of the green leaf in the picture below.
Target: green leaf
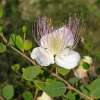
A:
(21, 44)
(27, 44)
(17, 41)
(15, 67)
(13, 38)
(2, 48)
(27, 95)
(84, 89)
(94, 88)
(63, 71)
(55, 88)
(73, 80)
(70, 96)
(39, 85)
(8, 92)
(31, 72)
(52, 87)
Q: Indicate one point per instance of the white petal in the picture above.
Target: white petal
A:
(42, 56)
(67, 35)
(67, 59)
(58, 40)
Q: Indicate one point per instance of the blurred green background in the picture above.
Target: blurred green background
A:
(16, 13)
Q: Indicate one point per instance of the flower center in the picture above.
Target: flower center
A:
(58, 40)
(55, 44)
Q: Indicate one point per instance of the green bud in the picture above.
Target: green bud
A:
(15, 67)
(24, 29)
(85, 65)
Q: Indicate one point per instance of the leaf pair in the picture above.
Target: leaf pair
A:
(8, 92)
(21, 44)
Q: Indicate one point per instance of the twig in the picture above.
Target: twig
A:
(22, 54)
(35, 94)
(53, 74)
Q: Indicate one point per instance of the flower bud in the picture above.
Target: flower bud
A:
(87, 59)
(80, 72)
(83, 68)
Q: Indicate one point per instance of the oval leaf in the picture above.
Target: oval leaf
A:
(31, 72)
(51, 87)
(70, 96)
(94, 88)
(17, 41)
(8, 92)
(27, 95)
(27, 44)
(55, 88)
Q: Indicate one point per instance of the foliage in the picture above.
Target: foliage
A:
(52, 87)
(20, 77)
(27, 95)
(8, 92)
(31, 72)
(93, 88)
